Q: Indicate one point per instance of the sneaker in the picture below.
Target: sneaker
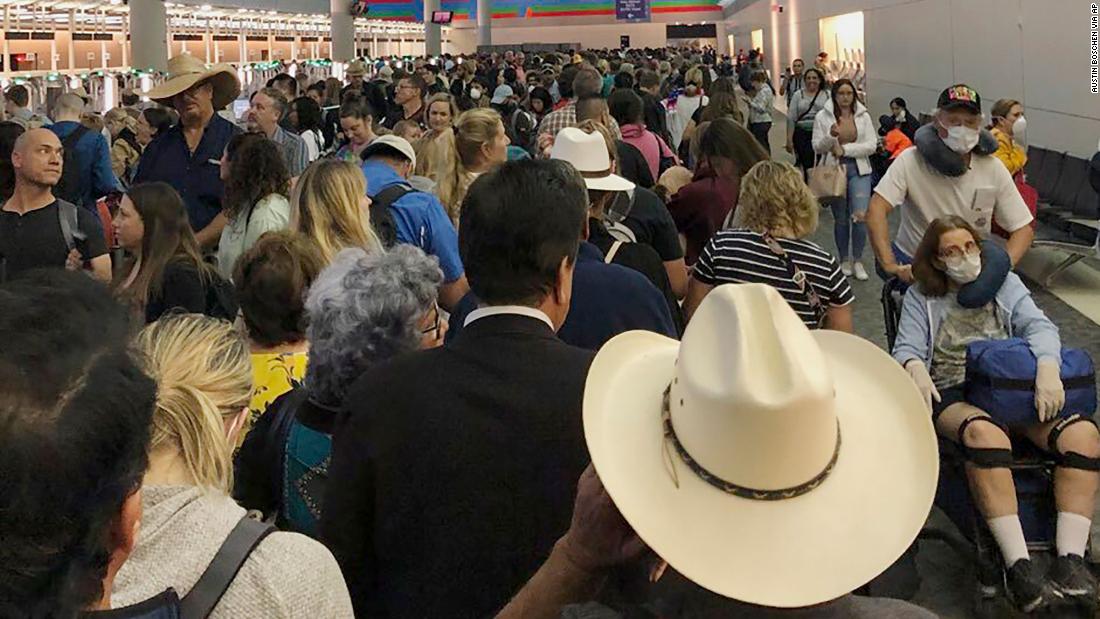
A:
(1071, 577)
(846, 268)
(861, 273)
(1027, 587)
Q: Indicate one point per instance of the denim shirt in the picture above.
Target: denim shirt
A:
(196, 176)
(921, 318)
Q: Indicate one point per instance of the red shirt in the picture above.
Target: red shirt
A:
(700, 208)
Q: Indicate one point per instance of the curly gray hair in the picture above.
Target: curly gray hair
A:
(364, 309)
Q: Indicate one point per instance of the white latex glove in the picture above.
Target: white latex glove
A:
(1050, 395)
(919, 373)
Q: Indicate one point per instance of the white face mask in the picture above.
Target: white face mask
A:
(965, 270)
(900, 116)
(475, 94)
(961, 139)
(1019, 126)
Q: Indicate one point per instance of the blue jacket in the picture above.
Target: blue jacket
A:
(921, 317)
(419, 218)
(94, 157)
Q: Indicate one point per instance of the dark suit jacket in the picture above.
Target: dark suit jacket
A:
(455, 469)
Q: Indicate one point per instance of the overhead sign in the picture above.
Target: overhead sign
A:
(632, 10)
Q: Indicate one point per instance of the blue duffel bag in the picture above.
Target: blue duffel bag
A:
(1000, 380)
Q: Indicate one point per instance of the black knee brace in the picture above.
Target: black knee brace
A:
(1071, 459)
(997, 458)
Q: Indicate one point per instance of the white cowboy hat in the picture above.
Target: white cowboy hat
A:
(787, 468)
(588, 153)
(184, 71)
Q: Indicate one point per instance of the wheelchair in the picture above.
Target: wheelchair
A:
(1033, 475)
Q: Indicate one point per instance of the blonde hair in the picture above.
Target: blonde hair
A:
(122, 117)
(326, 200)
(774, 198)
(473, 129)
(694, 76)
(435, 154)
(204, 378)
(445, 97)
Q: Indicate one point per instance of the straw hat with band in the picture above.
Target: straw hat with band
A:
(356, 67)
(765, 462)
(185, 71)
(588, 154)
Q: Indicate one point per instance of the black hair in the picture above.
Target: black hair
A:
(76, 415)
(626, 107)
(309, 114)
(518, 223)
(898, 101)
(263, 172)
(565, 80)
(18, 95)
(9, 133)
(160, 119)
(285, 78)
(318, 87)
(624, 81)
(356, 107)
(509, 75)
(543, 95)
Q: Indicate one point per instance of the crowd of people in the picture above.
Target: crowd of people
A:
(504, 335)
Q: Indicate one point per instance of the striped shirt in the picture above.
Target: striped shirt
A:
(742, 257)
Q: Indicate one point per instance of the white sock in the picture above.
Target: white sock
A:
(1073, 534)
(1010, 538)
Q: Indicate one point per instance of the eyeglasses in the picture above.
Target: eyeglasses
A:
(437, 323)
(955, 252)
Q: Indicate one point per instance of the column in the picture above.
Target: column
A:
(7, 28)
(484, 23)
(72, 46)
(149, 41)
(343, 31)
(723, 40)
(433, 33)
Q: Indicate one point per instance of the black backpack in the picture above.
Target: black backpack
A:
(381, 219)
(199, 603)
(68, 186)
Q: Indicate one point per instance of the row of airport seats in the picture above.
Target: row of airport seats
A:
(1069, 206)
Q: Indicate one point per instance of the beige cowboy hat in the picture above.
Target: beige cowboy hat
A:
(356, 67)
(765, 462)
(184, 71)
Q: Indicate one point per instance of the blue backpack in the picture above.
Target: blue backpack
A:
(1000, 380)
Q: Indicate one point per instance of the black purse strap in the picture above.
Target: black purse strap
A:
(812, 102)
(212, 585)
(798, 277)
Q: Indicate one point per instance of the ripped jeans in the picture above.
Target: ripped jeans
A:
(849, 229)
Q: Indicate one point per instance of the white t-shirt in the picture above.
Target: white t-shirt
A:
(982, 193)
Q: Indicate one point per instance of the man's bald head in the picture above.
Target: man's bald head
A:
(35, 138)
(37, 158)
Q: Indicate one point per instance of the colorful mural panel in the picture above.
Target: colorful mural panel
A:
(413, 10)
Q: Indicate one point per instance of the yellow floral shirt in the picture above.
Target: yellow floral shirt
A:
(273, 374)
(1010, 153)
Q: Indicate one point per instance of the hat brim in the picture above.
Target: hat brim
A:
(611, 182)
(962, 105)
(789, 553)
(224, 78)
